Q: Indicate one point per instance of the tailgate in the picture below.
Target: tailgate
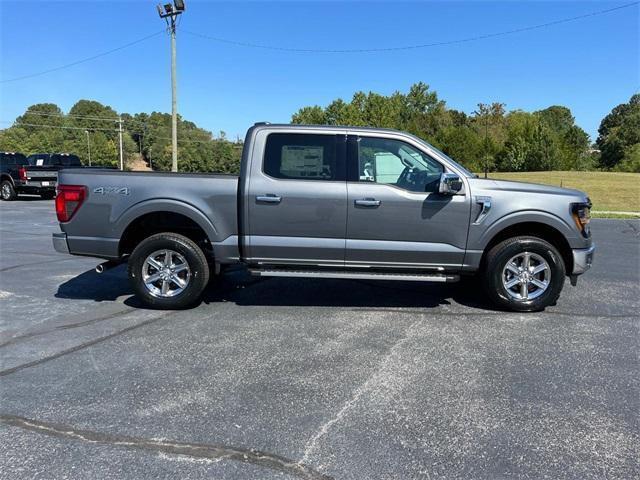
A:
(42, 177)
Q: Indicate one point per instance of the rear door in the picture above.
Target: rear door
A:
(396, 217)
(297, 199)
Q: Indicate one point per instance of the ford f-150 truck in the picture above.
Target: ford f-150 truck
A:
(18, 175)
(330, 202)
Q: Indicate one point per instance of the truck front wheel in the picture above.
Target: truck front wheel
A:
(524, 274)
(168, 271)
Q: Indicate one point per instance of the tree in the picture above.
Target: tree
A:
(45, 128)
(310, 116)
(488, 121)
(619, 132)
(571, 139)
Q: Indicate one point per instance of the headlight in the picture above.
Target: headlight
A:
(581, 213)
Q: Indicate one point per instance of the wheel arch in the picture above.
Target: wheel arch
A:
(6, 176)
(532, 228)
(149, 218)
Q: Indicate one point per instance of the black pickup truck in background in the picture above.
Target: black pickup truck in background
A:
(36, 174)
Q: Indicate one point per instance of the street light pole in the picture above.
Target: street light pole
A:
(120, 142)
(174, 100)
(170, 14)
(88, 146)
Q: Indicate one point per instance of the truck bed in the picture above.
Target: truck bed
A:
(115, 199)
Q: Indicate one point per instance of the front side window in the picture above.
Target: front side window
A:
(393, 162)
(300, 156)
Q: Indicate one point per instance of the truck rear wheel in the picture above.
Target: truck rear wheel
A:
(524, 274)
(168, 271)
(7, 192)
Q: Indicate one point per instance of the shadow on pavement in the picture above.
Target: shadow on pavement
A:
(103, 287)
(239, 287)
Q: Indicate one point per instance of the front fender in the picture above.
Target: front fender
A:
(481, 235)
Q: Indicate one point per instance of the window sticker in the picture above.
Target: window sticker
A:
(303, 161)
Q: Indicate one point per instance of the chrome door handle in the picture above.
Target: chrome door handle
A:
(368, 202)
(268, 198)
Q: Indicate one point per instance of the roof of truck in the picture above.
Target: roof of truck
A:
(327, 127)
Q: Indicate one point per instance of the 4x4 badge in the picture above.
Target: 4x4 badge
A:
(111, 190)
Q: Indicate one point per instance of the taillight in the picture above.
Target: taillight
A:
(68, 201)
(22, 171)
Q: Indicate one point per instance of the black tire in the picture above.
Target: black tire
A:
(496, 261)
(47, 195)
(192, 254)
(7, 192)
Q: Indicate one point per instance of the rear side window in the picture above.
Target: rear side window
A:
(301, 156)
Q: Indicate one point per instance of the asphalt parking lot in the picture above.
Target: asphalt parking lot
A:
(289, 378)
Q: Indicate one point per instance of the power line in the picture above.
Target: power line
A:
(65, 115)
(87, 59)
(410, 47)
(21, 124)
(312, 50)
(114, 130)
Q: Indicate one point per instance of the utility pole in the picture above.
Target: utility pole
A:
(486, 146)
(88, 146)
(170, 14)
(120, 141)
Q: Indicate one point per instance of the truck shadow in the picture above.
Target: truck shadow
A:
(105, 287)
(239, 287)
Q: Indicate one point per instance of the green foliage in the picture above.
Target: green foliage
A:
(45, 128)
(631, 160)
(619, 133)
(489, 138)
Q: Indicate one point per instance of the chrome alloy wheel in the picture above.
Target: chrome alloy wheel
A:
(165, 273)
(526, 276)
(6, 191)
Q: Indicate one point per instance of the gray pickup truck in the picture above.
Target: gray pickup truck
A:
(330, 202)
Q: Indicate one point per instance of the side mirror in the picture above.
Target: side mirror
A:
(450, 184)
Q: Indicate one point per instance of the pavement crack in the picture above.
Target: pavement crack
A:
(192, 450)
(6, 269)
(370, 383)
(488, 313)
(82, 346)
(66, 326)
(635, 230)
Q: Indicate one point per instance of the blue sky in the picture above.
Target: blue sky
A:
(589, 65)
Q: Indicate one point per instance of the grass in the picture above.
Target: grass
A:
(609, 191)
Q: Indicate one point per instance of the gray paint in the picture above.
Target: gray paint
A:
(318, 223)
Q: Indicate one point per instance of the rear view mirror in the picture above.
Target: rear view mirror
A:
(450, 184)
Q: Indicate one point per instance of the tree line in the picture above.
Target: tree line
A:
(90, 130)
(490, 138)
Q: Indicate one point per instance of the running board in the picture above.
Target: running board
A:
(411, 277)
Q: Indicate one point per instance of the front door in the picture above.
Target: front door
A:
(297, 200)
(396, 217)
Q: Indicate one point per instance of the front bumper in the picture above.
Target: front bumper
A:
(60, 242)
(582, 259)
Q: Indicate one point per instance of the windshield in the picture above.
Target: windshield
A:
(457, 165)
(447, 157)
